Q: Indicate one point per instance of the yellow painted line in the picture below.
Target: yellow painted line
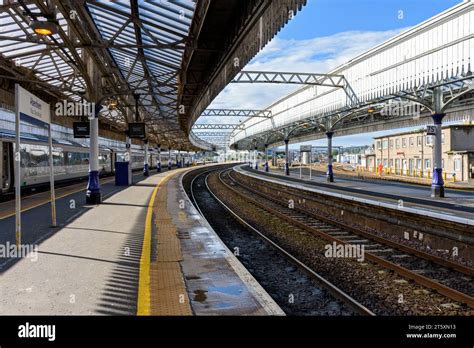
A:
(143, 306)
(49, 199)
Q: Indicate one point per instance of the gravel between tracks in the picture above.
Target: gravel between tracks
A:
(293, 289)
(380, 290)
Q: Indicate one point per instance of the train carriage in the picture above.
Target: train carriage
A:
(71, 160)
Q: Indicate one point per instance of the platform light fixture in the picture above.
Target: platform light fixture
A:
(112, 103)
(371, 110)
(47, 28)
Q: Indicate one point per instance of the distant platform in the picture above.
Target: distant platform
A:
(458, 205)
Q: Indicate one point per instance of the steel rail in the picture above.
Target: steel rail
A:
(404, 272)
(410, 250)
(331, 288)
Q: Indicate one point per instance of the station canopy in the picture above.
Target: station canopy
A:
(136, 45)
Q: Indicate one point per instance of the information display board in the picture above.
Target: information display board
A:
(81, 129)
(137, 130)
(305, 148)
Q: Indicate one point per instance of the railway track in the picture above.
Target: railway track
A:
(333, 290)
(447, 278)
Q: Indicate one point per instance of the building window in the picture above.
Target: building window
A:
(391, 143)
(378, 161)
(385, 144)
(429, 140)
(418, 164)
(442, 163)
(412, 141)
(442, 138)
(419, 140)
(427, 164)
(379, 145)
(397, 143)
(391, 163)
(457, 164)
(385, 163)
(404, 142)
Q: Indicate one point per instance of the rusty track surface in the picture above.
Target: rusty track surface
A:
(402, 271)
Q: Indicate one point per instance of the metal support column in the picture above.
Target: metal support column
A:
(93, 195)
(128, 144)
(17, 164)
(146, 171)
(329, 174)
(169, 159)
(158, 162)
(437, 184)
(266, 157)
(287, 158)
(255, 158)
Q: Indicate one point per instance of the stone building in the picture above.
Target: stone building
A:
(411, 153)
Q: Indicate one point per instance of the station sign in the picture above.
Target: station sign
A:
(32, 109)
(305, 148)
(430, 130)
(81, 129)
(136, 130)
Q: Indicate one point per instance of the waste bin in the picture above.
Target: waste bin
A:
(121, 173)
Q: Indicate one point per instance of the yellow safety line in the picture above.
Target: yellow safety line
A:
(143, 306)
(49, 199)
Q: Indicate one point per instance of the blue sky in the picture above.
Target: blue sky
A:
(324, 35)
(328, 17)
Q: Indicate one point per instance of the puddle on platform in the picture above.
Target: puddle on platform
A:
(192, 277)
(233, 290)
(200, 295)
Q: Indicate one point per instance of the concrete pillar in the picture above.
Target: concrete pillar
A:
(266, 158)
(93, 194)
(287, 158)
(146, 170)
(329, 174)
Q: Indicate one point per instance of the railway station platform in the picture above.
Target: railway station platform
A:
(145, 250)
(458, 205)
